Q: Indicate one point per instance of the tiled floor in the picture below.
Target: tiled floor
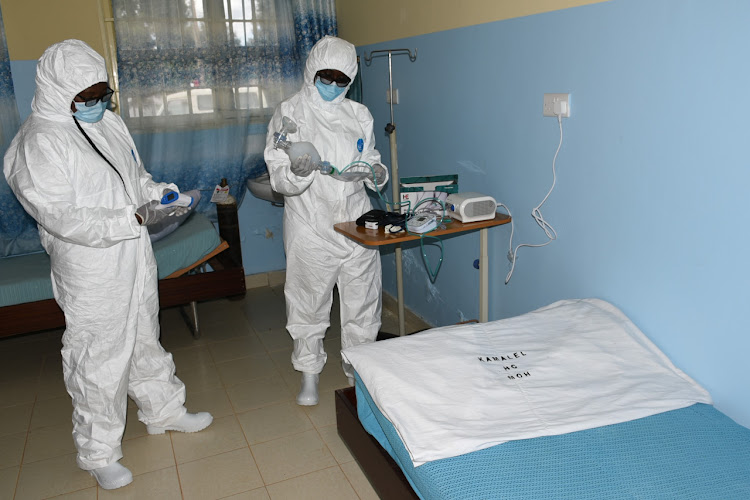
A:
(260, 446)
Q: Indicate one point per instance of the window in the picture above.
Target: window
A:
(204, 60)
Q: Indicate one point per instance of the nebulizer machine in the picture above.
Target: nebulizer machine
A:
(355, 171)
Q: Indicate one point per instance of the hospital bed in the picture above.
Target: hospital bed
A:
(27, 304)
(598, 412)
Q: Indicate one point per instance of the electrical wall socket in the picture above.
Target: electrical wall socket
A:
(388, 96)
(549, 104)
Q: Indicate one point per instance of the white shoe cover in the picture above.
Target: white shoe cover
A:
(189, 422)
(308, 395)
(112, 476)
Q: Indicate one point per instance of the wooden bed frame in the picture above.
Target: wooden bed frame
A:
(381, 470)
(177, 289)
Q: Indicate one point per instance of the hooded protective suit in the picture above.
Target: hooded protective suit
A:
(103, 269)
(317, 257)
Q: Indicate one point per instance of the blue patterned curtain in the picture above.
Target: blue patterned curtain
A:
(18, 233)
(200, 79)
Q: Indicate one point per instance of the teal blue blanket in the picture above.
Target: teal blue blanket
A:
(26, 278)
(691, 453)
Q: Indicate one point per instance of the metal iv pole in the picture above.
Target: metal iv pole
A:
(391, 130)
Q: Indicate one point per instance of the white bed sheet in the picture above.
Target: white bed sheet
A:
(569, 366)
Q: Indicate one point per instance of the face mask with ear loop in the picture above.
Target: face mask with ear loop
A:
(328, 92)
(90, 114)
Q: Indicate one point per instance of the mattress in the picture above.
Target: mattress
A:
(26, 278)
(689, 453)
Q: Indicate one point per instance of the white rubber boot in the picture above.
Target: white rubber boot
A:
(189, 422)
(308, 395)
(112, 476)
(351, 381)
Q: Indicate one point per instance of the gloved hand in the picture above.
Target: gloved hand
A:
(149, 214)
(302, 166)
(380, 173)
(178, 211)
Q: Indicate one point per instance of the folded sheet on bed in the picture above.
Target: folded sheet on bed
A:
(573, 365)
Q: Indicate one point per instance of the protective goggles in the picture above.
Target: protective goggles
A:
(339, 83)
(93, 102)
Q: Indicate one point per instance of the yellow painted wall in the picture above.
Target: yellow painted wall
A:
(364, 22)
(33, 25)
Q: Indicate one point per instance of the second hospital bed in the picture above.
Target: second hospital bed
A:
(27, 304)
(598, 412)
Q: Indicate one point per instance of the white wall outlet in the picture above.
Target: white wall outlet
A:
(549, 104)
(388, 96)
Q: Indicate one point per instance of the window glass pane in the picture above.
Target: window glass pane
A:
(203, 100)
(177, 103)
(239, 34)
(191, 8)
(236, 6)
(194, 34)
(153, 105)
(263, 10)
(249, 34)
(249, 9)
(133, 111)
(271, 97)
(247, 98)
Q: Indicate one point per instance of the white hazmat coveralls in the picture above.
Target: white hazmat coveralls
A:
(317, 258)
(103, 269)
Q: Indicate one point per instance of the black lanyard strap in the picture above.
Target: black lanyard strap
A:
(102, 155)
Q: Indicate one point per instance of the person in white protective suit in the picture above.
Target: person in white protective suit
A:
(74, 167)
(317, 258)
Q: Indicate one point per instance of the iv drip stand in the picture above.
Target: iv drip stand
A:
(390, 128)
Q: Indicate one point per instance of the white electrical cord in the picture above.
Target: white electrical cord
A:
(536, 213)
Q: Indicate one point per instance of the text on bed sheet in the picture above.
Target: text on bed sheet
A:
(505, 358)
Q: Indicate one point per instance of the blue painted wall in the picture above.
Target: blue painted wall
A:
(653, 173)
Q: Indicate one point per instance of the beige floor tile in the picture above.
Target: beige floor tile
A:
(358, 479)
(292, 456)
(200, 378)
(245, 369)
(87, 494)
(18, 365)
(15, 419)
(242, 347)
(276, 339)
(265, 310)
(148, 454)
(190, 357)
(161, 484)
(324, 413)
(134, 428)
(8, 479)
(220, 475)
(336, 446)
(217, 311)
(258, 393)
(48, 442)
(51, 387)
(17, 391)
(215, 401)
(256, 494)
(283, 361)
(273, 422)
(51, 477)
(11, 449)
(321, 485)
(57, 411)
(224, 434)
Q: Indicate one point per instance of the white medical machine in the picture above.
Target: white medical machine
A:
(470, 207)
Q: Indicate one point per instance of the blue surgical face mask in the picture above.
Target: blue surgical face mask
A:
(328, 92)
(90, 114)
